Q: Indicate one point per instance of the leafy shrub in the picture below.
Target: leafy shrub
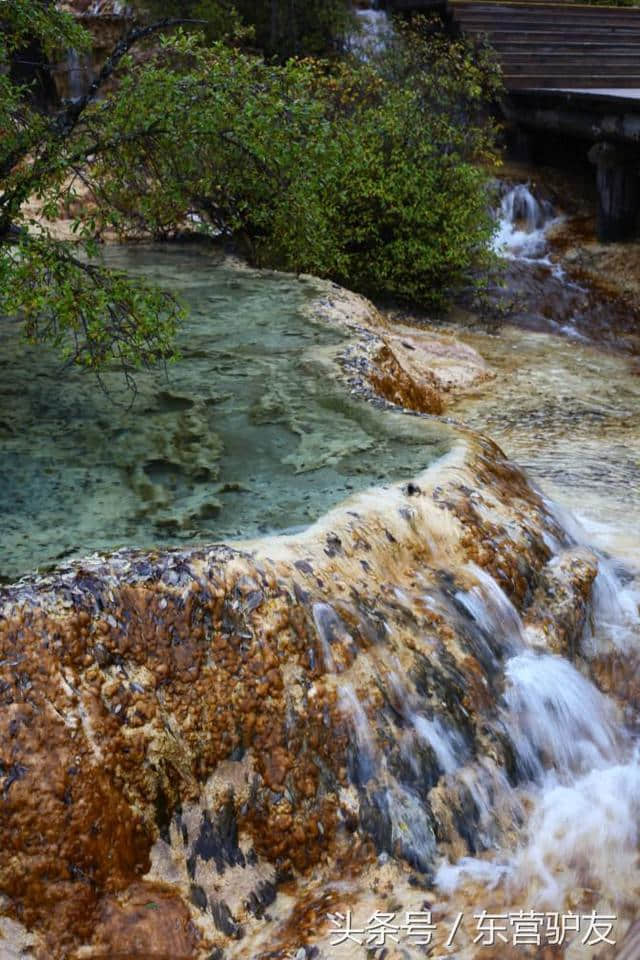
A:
(279, 28)
(369, 173)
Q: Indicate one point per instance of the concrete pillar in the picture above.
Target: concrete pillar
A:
(521, 145)
(618, 192)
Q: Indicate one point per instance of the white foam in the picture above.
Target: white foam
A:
(583, 834)
(450, 876)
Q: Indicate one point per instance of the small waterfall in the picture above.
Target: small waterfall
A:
(614, 621)
(373, 35)
(615, 613)
(556, 718)
(583, 829)
(107, 7)
(364, 758)
(78, 69)
(448, 747)
(330, 628)
(544, 794)
(522, 225)
(492, 610)
(497, 803)
(585, 833)
(399, 817)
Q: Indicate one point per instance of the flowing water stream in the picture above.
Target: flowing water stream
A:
(565, 405)
(375, 28)
(568, 412)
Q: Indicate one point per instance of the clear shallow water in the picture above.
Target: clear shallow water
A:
(246, 434)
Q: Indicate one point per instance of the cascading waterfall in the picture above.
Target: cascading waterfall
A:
(539, 289)
(490, 607)
(556, 718)
(614, 624)
(109, 7)
(578, 768)
(373, 35)
(78, 68)
(522, 224)
(449, 748)
(412, 721)
(576, 771)
(406, 689)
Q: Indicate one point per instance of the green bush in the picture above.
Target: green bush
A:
(280, 29)
(368, 173)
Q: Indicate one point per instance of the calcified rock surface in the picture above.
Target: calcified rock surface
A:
(418, 370)
(196, 745)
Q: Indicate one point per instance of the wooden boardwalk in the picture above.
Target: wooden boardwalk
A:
(568, 46)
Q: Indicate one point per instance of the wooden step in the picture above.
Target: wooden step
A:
(625, 34)
(541, 44)
(550, 69)
(514, 10)
(529, 16)
(560, 82)
(547, 22)
(544, 16)
(554, 36)
(568, 64)
(569, 46)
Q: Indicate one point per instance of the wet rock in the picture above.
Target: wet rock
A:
(561, 604)
(148, 917)
(391, 381)
(224, 921)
